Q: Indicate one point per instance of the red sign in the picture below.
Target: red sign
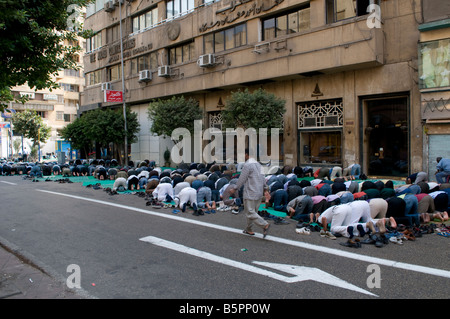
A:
(113, 96)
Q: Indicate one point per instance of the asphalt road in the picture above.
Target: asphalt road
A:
(125, 249)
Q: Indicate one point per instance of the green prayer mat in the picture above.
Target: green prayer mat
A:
(271, 211)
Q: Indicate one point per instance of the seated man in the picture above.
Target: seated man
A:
(443, 170)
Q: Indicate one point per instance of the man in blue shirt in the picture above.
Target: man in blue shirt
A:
(443, 170)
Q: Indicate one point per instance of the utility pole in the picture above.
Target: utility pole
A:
(123, 88)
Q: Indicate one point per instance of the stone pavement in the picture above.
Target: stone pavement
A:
(21, 279)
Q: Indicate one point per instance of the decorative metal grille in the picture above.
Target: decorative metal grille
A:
(215, 120)
(320, 114)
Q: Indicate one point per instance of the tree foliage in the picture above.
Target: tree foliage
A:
(259, 109)
(32, 50)
(30, 125)
(177, 112)
(104, 126)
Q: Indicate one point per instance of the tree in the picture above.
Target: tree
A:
(32, 34)
(30, 125)
(259, 109)
(75, 132)
(177, 112)
(103, 126)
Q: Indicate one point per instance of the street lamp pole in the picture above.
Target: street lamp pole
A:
(123, 88)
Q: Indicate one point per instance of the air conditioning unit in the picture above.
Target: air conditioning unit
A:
(106, 86)
(109, 6)
(116, 2)
(145, 76)
(207, 60)
(164, 71)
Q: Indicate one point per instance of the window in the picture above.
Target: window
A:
(320, 126)
(145, 20)
(321, 147)
(182, 53)
(94, 7)
(434, 65)
(93, 78)
(69, 117)
(59, 115)
(338, 10)
(176, 8)
(145, 62)
(113, 33)
(114, 72)
(225, 40)
(71, 72)
(70, 103)
(94, 42)
(70, 87)
(288, 23)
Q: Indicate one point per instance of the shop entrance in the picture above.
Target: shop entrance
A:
(386, 136)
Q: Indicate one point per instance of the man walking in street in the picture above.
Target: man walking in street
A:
(255, 187)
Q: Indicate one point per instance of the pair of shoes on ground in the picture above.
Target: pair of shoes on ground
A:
(353, 243)
(198, 212)
(377, 240)
(303, 231)
(327, 234)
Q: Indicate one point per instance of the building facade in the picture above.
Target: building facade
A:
(434, 81)
(347, 69)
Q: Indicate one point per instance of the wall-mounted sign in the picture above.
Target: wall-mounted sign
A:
(113, 96)
(50, 97)
(234, 12)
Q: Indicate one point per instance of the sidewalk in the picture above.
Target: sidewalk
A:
(19, 279)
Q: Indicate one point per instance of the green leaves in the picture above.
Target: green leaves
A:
(177, 112)
(32, 49)
(259, 109)
(103, 126)
(30, 125)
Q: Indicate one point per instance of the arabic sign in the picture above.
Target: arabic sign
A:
(8, 113)
(232, 13)
(113, 96)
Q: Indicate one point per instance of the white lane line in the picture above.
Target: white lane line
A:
(8, 183)
(300, 273)
(326, 250)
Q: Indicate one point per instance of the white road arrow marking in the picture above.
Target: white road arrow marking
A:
(284, 241)
(301, 273)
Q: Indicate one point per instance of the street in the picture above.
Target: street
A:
(125, 249)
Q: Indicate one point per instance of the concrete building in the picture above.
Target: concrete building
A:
(57, 108)
(347, 69)
(434, 81)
